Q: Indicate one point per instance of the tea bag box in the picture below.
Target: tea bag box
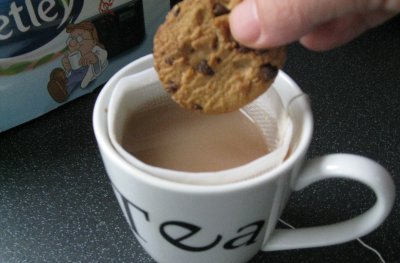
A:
(43, 44)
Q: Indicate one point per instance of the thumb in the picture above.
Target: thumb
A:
(269, 23)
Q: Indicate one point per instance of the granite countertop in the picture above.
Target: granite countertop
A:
(57, 204)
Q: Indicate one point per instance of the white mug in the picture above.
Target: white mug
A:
(176, 222)
(74, 59)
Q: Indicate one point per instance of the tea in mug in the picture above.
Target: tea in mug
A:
(169, 137)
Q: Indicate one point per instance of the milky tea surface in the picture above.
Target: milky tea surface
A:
(170, 137)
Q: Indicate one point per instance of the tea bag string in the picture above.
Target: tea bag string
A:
(289, 112)
(358, 239)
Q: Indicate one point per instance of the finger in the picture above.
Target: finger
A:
(267, 23)
(340, 31)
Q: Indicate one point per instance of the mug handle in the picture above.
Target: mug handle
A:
(347, 166)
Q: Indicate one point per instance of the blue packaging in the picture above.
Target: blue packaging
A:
(54, 51)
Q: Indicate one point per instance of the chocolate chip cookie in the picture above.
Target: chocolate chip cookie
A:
(203, 67)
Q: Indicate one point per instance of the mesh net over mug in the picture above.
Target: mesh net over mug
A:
(143, 91)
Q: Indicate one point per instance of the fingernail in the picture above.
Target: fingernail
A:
(245, 23)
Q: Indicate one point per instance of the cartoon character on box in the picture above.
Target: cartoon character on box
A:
(84, 60)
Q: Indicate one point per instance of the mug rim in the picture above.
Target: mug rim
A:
(108, 151)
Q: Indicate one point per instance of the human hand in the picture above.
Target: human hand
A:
(65, 63)
(88, 59)
(318, 25)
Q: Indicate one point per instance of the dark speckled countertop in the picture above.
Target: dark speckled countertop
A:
(57, 205)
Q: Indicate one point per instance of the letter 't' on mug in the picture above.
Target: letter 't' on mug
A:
(230, 222)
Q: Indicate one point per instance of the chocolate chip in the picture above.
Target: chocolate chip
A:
(204, 68)
(268, 71)
(220, 10)
(169, 60)
(218, 60)
(172, 87)
(187, 48)
(197, 107)
(243, 49)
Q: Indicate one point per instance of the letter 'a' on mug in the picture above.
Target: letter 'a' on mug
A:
(231, 222)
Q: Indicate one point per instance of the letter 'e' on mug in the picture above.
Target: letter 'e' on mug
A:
(232, 222)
